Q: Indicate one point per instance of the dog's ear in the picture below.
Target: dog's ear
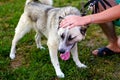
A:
(83, 30)
(60, 19)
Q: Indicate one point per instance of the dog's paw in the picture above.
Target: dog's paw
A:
(41, 47)
(82, 66)
(12, 56)
(60, 75)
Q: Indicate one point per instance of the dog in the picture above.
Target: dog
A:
(41, 16)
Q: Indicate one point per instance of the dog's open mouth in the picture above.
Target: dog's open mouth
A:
(65, 56)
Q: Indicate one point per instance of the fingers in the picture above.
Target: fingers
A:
(64, 23)
(71, 26)
(70, 21)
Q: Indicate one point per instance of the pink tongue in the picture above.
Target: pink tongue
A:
(65, 56)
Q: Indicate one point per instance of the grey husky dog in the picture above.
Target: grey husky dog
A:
(41, 16)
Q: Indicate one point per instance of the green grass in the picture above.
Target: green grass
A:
(34, 64)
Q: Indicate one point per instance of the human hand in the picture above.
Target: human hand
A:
(73, 21)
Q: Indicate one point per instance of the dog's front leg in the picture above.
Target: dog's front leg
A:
(53, 45)
(74, 53)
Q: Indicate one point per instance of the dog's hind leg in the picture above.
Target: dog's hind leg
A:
(38, 40)
(24, 26)
(53, 46)
(74, 53)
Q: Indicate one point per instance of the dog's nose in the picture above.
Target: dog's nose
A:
(62, 51)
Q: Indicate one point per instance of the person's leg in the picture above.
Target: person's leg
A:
(109, 31)
(114, 43)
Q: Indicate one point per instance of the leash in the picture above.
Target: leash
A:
(94, 3)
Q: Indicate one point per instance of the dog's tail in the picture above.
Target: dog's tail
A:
(48, 2)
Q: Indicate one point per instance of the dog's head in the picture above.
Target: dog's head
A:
(68, 38)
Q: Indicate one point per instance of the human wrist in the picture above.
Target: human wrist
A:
(89, 19)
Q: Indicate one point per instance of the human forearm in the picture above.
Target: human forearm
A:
(105, 16)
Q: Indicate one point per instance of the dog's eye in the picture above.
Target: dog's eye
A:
(62, 36)
(70, 38)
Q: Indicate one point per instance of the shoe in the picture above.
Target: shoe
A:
(105, 52)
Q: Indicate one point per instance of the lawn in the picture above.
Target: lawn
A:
(34, 64)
